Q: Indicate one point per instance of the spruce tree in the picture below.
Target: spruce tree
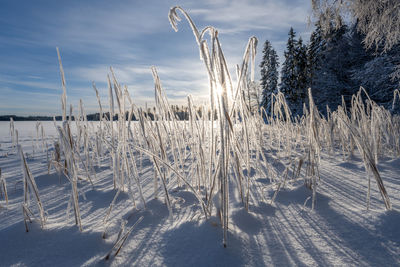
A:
(288, 73)
(301, 72)
(314, 50)
(294, 73)
(269, 74)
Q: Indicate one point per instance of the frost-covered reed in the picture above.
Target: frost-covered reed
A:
(3, 188)
(30, 187)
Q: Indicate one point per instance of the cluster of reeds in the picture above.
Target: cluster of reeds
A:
(228, 157)
(372, 130)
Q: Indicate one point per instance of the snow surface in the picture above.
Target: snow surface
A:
(340, 231)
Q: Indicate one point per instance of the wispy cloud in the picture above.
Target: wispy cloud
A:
(31, 84)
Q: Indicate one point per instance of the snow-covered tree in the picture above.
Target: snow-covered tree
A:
(343, 61)
(301, 70)
(288, 83)
(294, 79)
(377, 76)
(315, 47)
(377, 20)
(269, 74)
(331, 73)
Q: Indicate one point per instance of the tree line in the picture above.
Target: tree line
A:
(179, 112)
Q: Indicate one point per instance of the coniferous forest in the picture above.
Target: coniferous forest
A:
(334, 64)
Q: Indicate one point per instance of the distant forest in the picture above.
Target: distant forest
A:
(180, 113)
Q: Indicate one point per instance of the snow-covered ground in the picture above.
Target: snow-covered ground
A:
(339, 232)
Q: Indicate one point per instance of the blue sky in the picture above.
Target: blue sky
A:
(130, 36)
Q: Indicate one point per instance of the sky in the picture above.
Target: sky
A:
(129, 36)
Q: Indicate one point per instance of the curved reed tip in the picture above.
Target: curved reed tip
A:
(154, 71)
(255, 41)
(173, 17)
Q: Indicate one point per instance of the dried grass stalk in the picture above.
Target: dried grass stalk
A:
(122, 237)
(30, 187)
(3, 187)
